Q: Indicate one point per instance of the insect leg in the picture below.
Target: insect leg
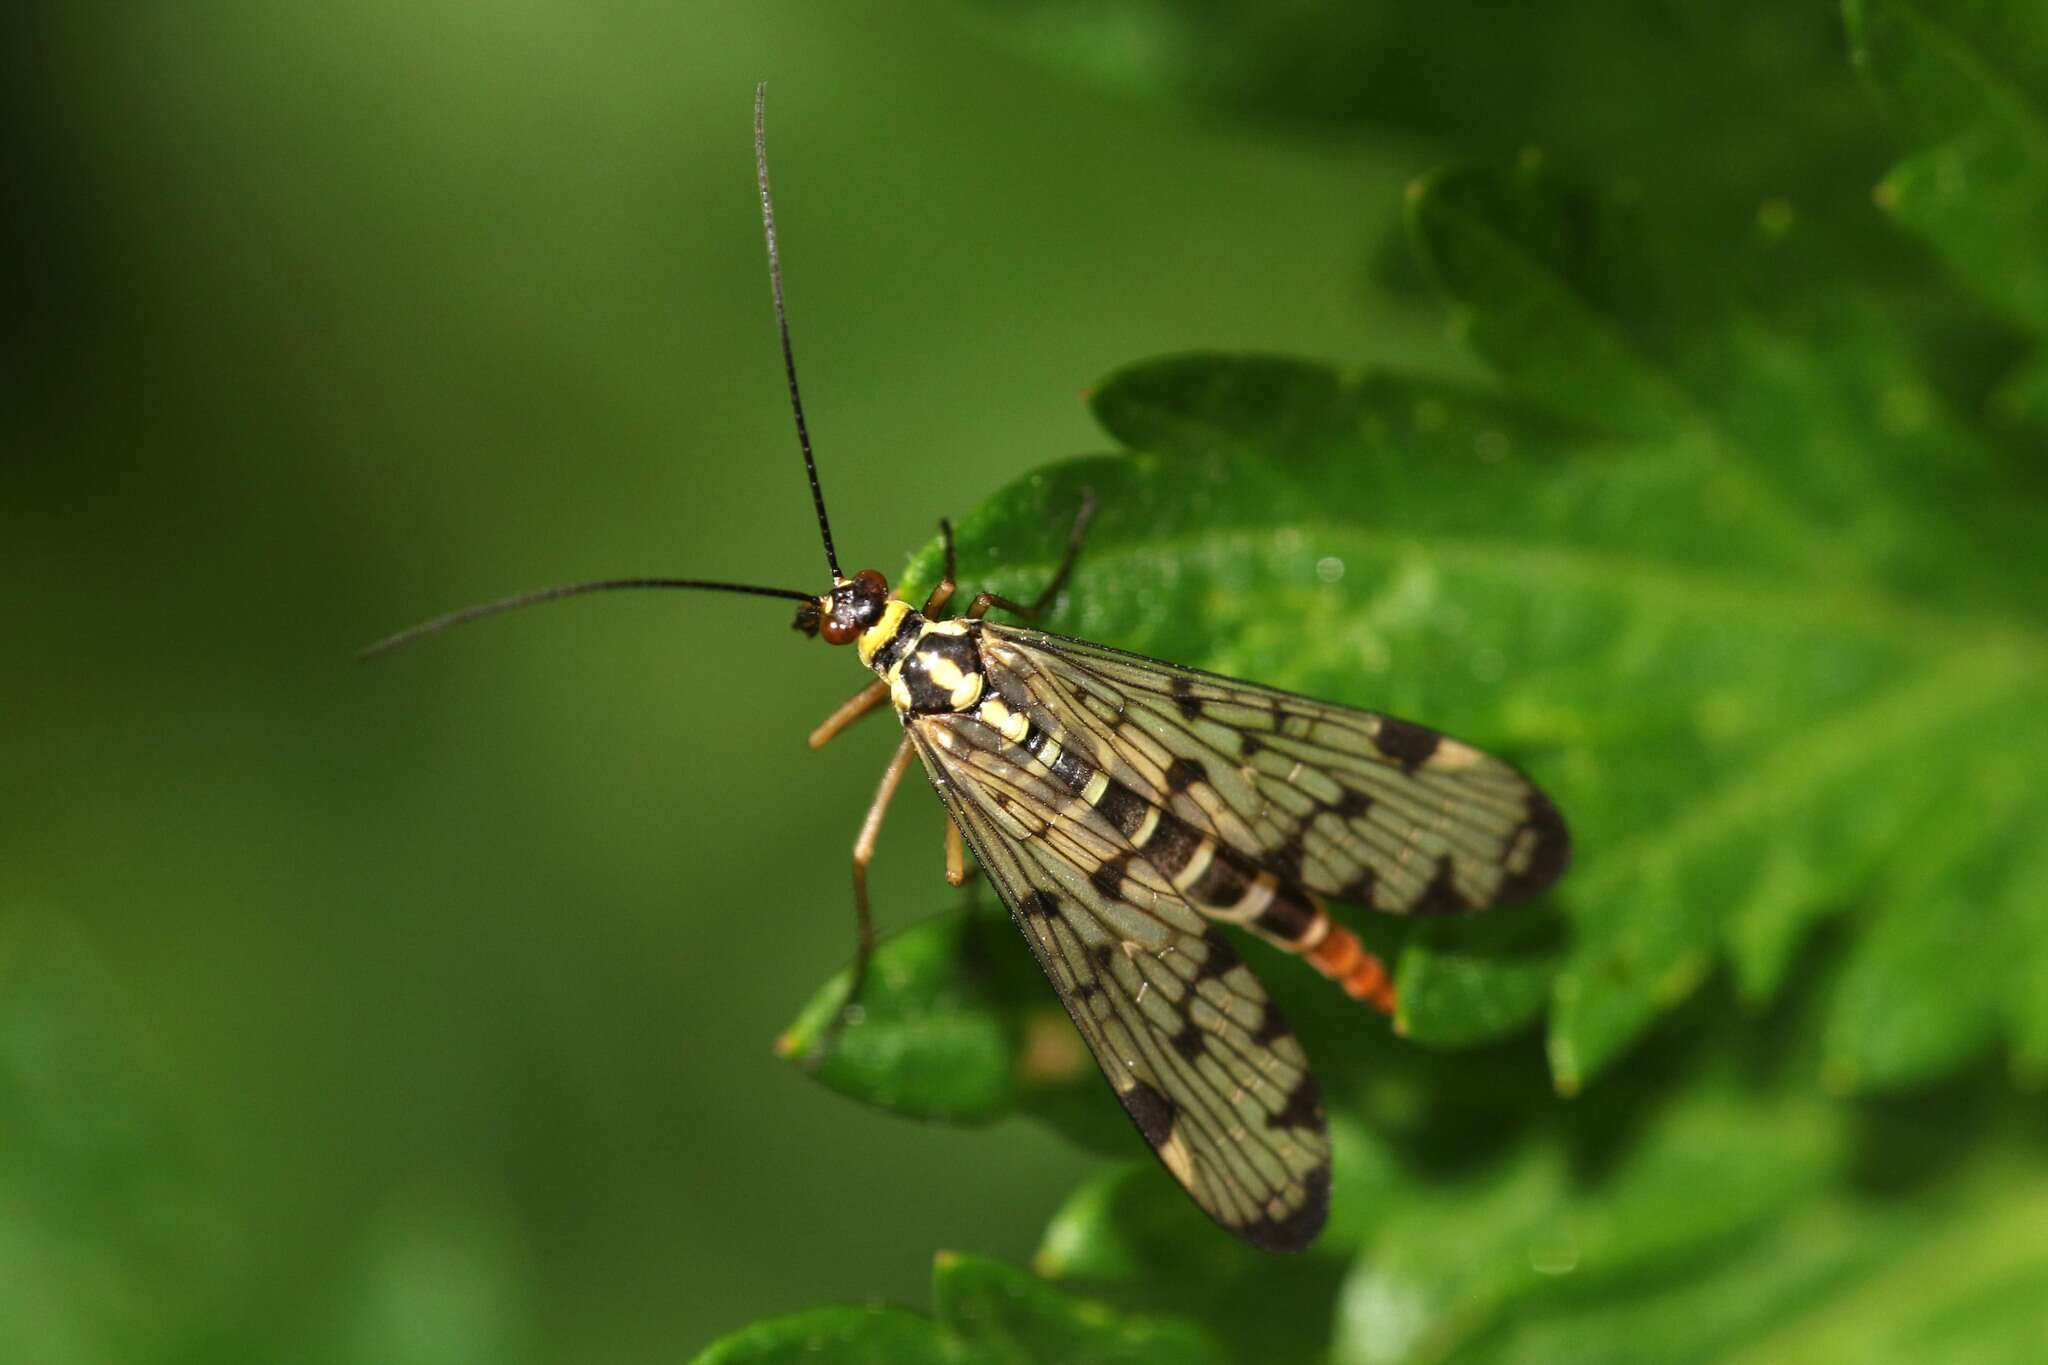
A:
(984, 601)
(856, 706)
(864, 920)
(943, 593)
(956, 855)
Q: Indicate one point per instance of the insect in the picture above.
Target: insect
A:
(1124, 808)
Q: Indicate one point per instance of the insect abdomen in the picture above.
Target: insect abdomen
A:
(1210, 876)
(1216, 880)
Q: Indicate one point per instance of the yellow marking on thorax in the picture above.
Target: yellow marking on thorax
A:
(942, 670)
(963, 689)
(882, 631)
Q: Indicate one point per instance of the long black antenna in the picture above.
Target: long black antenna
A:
(534, 599)
(803, 436)
(796, 402)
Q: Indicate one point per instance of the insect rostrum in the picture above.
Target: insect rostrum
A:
(1124, 808)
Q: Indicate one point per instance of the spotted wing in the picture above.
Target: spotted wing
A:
(1346, 803)
(1182, 1030)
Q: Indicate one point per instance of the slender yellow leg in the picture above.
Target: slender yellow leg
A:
(956, 855)
(864, 920)
(864, 853)
(856, 706)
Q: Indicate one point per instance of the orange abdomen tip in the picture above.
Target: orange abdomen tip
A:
(1342, 958)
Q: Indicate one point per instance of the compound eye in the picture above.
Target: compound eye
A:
(843, 614)
(838, 626)
(853, 606)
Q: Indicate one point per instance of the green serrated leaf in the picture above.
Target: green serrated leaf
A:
(1714, 1307)
(1648, 919)
(1968, 82)
(1007, 1315)
(1551, 288)
(1133, 1229)
(1973, 1286)
(1128, 1224)
(2025, 910)
(956, 1024)
(1732, 733)
(1728, 575)
(1132, 1223)
(1541, 1228)
(1463, 983)
(1941, 918)
(1697, 100)
(116, 1243)
(2019, 404)
(855, 1335)
(1812, 428)
(1779, 394)
(929, 1038)
(984, 1313)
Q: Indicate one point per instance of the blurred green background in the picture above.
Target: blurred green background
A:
(434, 999)
(422, 1012)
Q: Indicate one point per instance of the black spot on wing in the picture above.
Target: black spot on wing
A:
(1304, 1107)
(1352, 804)
(1183, 773)
(1285, 861)
(1272, 1027)
(1184, 697)
(1358, 891)
(1441, 896)
(1222, 957)
(1041, 903)
(1108, 877)
(1294, 1230)
(1190, 1042)
(1407, 744)
(1150, 1110)
(1549, 849)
